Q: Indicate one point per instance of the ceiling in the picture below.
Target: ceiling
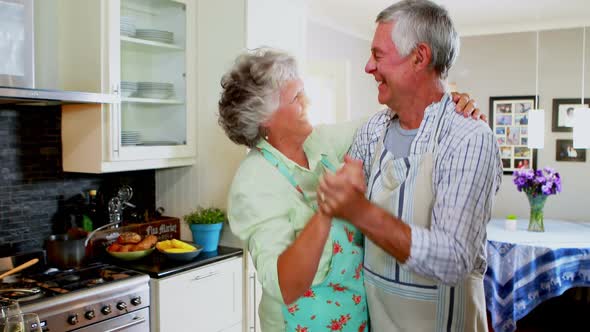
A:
(474, 17)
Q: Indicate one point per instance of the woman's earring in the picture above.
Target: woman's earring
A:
(264, 133)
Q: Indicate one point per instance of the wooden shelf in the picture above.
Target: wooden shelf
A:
(151, 101)
(137, 42)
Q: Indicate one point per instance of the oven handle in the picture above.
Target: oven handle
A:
(136, 321)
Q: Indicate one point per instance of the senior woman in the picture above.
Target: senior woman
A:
(309, 264)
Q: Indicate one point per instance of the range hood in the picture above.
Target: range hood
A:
(36, 57)
(41, 97)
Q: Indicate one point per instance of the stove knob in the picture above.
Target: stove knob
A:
(106, 310)
(121, 306)
(73, 319)
(89, 314)
(136, 300)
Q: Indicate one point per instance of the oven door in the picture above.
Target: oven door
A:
(16, 44)
(136, 321)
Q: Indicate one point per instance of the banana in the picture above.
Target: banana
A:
(163, 245)
(178, 250)
(182, 245)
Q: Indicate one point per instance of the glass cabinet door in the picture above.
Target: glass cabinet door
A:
(153, 74)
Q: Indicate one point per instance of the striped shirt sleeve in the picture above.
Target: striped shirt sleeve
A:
(465, 184)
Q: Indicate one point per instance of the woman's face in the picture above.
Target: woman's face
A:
(290, 118)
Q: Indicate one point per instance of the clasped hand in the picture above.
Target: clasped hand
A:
(342, 194)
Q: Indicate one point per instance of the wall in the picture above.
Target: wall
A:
(327, 43)
(35, 194)
(504, 65)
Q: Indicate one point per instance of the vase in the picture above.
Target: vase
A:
(206, 235)
(537, 204)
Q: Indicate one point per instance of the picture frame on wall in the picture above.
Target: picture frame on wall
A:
(509, 117)
(563, 113)
(564, 151)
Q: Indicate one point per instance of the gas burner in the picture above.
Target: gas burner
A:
(72, 277)
(96, 281)
(21, 294)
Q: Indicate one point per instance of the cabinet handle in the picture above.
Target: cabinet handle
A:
(253, 278)
(210, 274)
(116, 125)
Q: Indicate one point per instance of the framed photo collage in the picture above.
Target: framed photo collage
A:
(509, 119)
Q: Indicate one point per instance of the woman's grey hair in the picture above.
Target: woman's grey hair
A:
(250, 94)
(424, 21)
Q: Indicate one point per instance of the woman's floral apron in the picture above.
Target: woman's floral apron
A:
(338, 303)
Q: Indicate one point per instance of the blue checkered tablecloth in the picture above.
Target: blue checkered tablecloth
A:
(527, 268)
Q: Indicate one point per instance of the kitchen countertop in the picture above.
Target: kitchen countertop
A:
(157, 265)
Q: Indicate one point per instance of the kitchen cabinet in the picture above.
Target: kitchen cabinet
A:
(145, 53)
(207, 299)
(253, 297)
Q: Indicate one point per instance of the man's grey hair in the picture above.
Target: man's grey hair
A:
(423, 21)
(251, 90)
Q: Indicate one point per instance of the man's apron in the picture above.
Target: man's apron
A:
(338, 303)
(400, 300)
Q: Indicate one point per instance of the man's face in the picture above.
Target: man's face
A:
(390, 70)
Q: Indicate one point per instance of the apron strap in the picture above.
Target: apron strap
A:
(284, 170)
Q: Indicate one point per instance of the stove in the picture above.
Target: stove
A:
(98, 297)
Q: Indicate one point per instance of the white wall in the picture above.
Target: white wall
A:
(325, 43)
(279, 24)
(504, 65)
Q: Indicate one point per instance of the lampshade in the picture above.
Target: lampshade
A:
(582, 128)
(536, 129)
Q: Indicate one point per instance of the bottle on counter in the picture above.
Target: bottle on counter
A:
(91, 215)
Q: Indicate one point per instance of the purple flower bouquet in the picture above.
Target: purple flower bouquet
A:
(537, 185)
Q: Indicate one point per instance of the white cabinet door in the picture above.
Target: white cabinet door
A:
(235, 328)
(254, 295)
(208, 299)
(144, 52)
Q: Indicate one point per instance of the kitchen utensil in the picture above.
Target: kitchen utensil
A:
(183, 256)
(65, 251)
(125, 193)
(131, 255)
(19, 268)
(113, 224)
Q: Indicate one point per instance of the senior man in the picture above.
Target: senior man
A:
(431, 176)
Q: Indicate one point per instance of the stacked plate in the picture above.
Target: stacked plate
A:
(129, 137)
(128, 88)
(155, 90)
(127, 26)
(155, 35)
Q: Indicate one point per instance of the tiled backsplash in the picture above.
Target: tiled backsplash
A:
(34, 191)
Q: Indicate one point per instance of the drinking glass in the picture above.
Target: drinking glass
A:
(28, 322)
(8, 308)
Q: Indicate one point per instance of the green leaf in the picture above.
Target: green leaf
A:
(210, 215)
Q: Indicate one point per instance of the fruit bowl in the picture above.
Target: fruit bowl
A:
(131, 255)
(179, 250)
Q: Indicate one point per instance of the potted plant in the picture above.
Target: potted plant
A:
(206, 224)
